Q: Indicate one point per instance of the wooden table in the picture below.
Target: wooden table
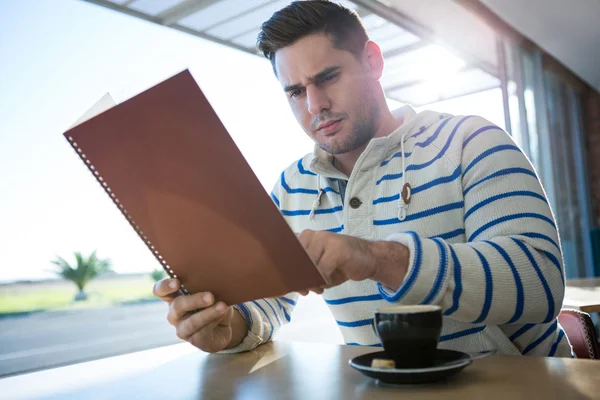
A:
(583, 294)
(296, 371)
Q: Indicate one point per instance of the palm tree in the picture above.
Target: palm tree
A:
(157, 275)
(84, 271)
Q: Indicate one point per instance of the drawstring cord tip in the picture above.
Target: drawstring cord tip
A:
(315, 205)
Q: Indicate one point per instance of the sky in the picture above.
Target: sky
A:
(58, 58)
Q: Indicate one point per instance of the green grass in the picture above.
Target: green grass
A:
(24, 297)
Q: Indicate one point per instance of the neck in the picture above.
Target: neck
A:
(345, 162)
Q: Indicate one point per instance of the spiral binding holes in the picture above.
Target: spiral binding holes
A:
(160, 258)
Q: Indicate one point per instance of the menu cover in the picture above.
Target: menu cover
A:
(171, 168)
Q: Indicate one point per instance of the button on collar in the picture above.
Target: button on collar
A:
(355, 202)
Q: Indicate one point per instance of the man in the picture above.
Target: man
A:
(395, 208)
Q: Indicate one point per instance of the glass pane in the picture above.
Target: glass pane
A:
(433, 90)
(153, 7)
(246, 22)
(431, 62)
(372, 21)
(219, 12)
(247, 40)
(532, 123)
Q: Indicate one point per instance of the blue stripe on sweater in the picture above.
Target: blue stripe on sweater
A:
(420, 132)
(246, 313)
(561, 334)
(510, 217)
(285, 313)
(539, 340)
(355, 324)
(290, 190)
(422, 214)
(536, 235)
(451, 234)
(457, 281)
(386, 199)
(288, 300)
(436, 182)
(346, 300)
(275, 199)
(417, 189)
(502, 172)
(268, 319)
(519, 285)
(330, 189)
(358, 344)
(415, 167)
(556, 263)
(414, 273)
(390, 177)
(520, 332)
(296, 190)
(549, 298)
(303, 171)
(435, 135)
(396, 155)
(441, 273)
(489, 152)
(336, 230)
(459, 334)
(489, 287)
(478, 132)
(295, 213)
(505, 195)
(272, 309)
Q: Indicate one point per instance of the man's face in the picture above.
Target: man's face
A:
(330, 92)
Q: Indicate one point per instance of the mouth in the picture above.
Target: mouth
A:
(329, 127)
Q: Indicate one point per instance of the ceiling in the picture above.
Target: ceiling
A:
(420, 67)
(568, 30)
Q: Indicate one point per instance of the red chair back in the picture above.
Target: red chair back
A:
(581, 332)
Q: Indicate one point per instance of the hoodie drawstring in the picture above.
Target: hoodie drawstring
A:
(317, 202)
(405, 194)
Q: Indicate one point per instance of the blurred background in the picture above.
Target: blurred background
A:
(76, 281)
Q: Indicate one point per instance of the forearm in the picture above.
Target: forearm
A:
(391, 263)
(239, 329)
(506, 280)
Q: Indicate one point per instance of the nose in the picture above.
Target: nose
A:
(317, 100)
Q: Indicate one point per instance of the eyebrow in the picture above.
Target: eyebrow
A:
(320, 76)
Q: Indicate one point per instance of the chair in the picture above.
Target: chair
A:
(581, 332)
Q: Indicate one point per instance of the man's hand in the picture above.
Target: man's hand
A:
(213, 328)
(340, 258)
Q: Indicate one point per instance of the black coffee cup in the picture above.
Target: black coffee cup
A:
(409, 334)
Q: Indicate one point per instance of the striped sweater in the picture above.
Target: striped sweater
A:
(482, 238)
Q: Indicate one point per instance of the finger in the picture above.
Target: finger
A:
(183, 305)
(208, 318)
(317, 290)
(166, 289)
(303, 292)
(305, 238)
(227, 317)
(211, 340)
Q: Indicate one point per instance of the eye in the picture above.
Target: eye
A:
(296, 93)
(329, 78)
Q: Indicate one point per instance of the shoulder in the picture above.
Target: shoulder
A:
(296, 178)
(468, 133)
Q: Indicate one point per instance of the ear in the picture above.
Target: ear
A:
(374, 59)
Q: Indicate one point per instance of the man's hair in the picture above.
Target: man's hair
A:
(303, 18)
